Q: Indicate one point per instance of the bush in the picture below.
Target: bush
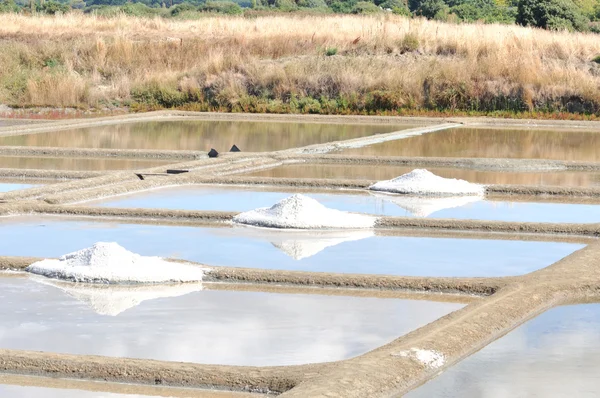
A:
(551, 14)
(182, 8)
(483, 10)
(429, 9)
(409, 43)
(139, 10)
(596, 59)
(9, 6)
(222, 7)
(312, 3)
(364, 7)
(286, 5)
(329, 51)
(53, 7)
(396, 6)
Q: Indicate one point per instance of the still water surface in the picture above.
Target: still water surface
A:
(382, 172)
(359, 252)
(493, 143)
(185, 323)
(554, 355)
(202, 135)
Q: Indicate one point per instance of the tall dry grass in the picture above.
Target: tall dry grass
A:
(273, 64)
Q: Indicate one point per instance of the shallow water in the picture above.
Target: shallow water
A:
(493, 143)
(382, 172)
(554, 355)
(221, 327)
(9, 186)
(196, 197)
(341, 251)
(20, 391)
(202, 135)
(69, 163)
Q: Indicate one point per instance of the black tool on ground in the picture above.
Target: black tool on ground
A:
(140, 176)
(235, 148)
(213, 153)
(175, 171)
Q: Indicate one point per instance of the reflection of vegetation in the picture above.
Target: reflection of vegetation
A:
(199, 135)
(466, 142)
(68, 163)
(379, 173)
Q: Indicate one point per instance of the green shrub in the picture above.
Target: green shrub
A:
(396, 6)
(409, 43)
(153, 93)
(312, 3)
(9, 6)
(364, 7)
(429, 9)
(286, 5)
(329, 51)
(178, 9)
(53, 7)
(222, 7)
(551, 14)
(596, 59)
(140, 10)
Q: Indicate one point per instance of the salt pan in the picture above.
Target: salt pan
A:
(111, 263)
(425, 183)
(301, 212)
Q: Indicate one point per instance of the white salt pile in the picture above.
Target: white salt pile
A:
(302, 212)
(112, 300)
(425, 183)
(423, 206)
(111, 263)
(307, 244)
(431, 359)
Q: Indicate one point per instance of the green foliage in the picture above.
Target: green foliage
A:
(429, 9)
(53, 7)
(154, 93)
(330, 51)
(140, 10)
(178, 9)
(51, 63)
(9, 6)
(222, 7)
(364, 7)
(398, 7)
(409, 43)
(551, 14)
(285, 5)
(312, 3)
(483, 10)
(596, 59)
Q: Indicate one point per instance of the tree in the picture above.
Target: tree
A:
(428, 8)
(551, 14)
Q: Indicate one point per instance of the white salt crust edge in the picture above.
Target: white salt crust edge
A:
(301, 212)
(425, 183)
(429, 358)
(109, 263)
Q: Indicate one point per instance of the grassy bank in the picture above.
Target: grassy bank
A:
(328, 64)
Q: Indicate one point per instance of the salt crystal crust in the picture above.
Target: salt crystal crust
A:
(110, 263)
(301, 212)
(425, 183)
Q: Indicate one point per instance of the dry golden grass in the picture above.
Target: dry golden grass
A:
(260, 64)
